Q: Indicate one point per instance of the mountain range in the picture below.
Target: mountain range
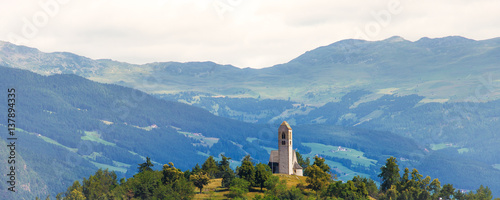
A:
(433, 103)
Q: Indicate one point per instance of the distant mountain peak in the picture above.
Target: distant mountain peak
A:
(395, 39)
(444, 41)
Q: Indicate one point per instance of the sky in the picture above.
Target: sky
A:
(243, 33)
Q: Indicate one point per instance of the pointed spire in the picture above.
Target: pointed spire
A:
(286, 124)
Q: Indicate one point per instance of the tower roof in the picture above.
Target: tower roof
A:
(286, 124)
(275, 156)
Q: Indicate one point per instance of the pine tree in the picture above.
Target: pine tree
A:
(389, 174)
(247, 170)
(146, 166)
(210, 167)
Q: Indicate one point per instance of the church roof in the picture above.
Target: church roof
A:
(294, 160)
(286, 124)
(275, 156)
(296, 165)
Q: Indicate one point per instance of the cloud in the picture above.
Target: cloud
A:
(253, 33)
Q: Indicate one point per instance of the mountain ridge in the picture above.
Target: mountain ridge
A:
(356, 94)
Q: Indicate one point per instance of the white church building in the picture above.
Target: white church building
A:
(284, 160)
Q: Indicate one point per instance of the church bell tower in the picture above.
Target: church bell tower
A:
(285, 149)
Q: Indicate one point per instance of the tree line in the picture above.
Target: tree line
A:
(172, 183)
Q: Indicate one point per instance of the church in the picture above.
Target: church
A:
(284, 160)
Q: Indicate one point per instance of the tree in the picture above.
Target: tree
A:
(364, 184)
(317, 178)
(389, 174)
(99, 185)
(223, 165)
(483, 193)
(210, 167)
(59, 196)
(278, 187)
(76, 185)
(146, 166)
(262, 173)
(320, 162)
(227, 177)
(76, 195)
(447, 191)
(196, 169)
(303, 163)
(183, 188)
(170, 173)
(143, 185)
(435, 188)
(238, 188)
(392, 192)
(292, 193)
(405, 178)
(200, 180)
(225, 171)
(271, 182)
(247, 170)
(334, 189)
(459, 195)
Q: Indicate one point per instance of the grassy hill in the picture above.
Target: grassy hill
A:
(214, 190)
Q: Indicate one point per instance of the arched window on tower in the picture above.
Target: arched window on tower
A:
(283, 135)
(283, 142)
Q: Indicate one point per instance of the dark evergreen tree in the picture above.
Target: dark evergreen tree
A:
(210, 167)
(389, 174)
(146, 166)
(247, 170)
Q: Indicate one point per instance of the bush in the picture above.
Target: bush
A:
(238, 188)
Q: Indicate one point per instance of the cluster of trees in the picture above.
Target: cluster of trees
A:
(169, 183)
(319, 179)
(259, 175)
(393, 186)
(172, 183)
(242, 180)
(420, 124)
(414, 186)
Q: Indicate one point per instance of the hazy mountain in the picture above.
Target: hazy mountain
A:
(447, 68)
(432, 102)
(68, 126)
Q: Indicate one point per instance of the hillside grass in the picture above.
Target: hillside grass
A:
(214, 190)
(357, 157)
(205, 141)
(96, 137)
(440, 146)
(46, 139)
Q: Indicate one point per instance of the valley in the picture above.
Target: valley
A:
(432, 103)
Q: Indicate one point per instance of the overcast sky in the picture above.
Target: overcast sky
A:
(243, 33)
